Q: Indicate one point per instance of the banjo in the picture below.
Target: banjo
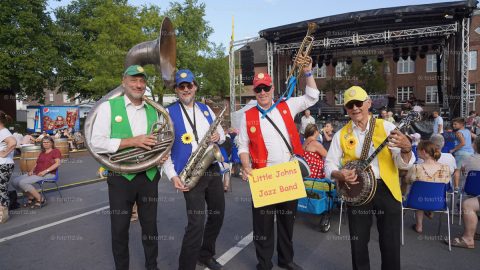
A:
(363, 192)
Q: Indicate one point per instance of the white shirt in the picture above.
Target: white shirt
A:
(305, 122)
(335, 152)
(101, 141)
(277, 150)
(5, 133)
(202, 126)
(436, 125)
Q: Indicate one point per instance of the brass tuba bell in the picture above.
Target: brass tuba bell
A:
(161, 53)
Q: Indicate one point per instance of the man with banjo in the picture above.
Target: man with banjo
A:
(383, 198)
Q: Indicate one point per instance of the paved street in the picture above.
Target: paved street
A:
(74, 233)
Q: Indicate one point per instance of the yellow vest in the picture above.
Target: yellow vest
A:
(388, 170)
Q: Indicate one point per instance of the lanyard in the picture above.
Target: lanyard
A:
(192, 125)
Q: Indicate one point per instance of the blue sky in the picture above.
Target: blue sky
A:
(251, 16)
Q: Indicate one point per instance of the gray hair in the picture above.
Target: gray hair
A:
(438, 140)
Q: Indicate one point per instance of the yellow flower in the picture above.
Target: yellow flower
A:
(351, 142)
(187, 138)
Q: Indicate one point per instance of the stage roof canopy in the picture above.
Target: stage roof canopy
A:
(372, 21)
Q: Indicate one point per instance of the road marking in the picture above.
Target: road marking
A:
(52, 224)
(233, 251)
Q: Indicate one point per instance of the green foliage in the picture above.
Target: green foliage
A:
(83, 50)
(369, 76)
(27, 48)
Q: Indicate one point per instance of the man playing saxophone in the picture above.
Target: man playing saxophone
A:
(124, 122)
(191, 121)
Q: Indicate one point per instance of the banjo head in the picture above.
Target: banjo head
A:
(361, 193)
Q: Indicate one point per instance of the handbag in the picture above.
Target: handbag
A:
(304, 168)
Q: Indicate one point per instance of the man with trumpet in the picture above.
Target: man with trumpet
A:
(191, 121)
(261, 145)
(121, 123)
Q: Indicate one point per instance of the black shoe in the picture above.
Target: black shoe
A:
(211, 264)
(290, 266)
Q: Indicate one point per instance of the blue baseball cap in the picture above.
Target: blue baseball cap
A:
(184, 75)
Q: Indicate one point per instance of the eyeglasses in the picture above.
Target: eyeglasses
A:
(183, 86)
(357, 103)
(259, 89)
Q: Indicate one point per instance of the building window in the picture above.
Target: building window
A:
(322, 95)
(431, 63)
(320, 72)
(341, 69)
(405, 66)
(472, 65)
(404, 94)
(473, 93)
(51, 96)
(431, 94)
(339, 98)
(65, 98)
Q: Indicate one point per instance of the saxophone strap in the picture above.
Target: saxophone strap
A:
(368, 139)
(192, 125)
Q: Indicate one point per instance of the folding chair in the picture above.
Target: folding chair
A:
(471, 188)
(428, 196)
(53, 180)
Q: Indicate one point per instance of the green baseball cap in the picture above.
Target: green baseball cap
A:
(134, 70)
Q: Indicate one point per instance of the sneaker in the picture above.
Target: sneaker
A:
(211, 264)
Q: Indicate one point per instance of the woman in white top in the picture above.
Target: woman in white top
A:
(7, 145)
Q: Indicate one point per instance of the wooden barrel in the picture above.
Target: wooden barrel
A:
(28, 157)
(62, 145)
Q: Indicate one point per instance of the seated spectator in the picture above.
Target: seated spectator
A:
(430, 170)
(390, 117)
(470, 206)
(78, 140)
(47, 163)
(314, 152)
(447, 159)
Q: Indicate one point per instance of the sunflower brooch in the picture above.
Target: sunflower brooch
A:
(187, 138)
(351, 142)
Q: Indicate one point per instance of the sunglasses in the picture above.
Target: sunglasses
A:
(259, 89)
(183, 86)
(357, 103)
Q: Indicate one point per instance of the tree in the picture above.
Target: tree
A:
(369, 75)
(28, 55)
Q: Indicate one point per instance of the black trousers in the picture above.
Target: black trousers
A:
(199, 239)
(263, 233)
(122, 195)
(387, 211)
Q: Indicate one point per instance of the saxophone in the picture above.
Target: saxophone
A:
(203, 156)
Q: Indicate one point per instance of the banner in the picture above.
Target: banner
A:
(276, 184)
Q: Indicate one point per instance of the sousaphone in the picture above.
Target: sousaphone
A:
(161, 53)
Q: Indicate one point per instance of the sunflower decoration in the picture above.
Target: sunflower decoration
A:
(187, 138)
(351, 142)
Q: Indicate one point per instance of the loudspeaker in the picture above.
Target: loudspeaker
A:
(247, 66)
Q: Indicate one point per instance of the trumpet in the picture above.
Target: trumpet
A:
(300, 60)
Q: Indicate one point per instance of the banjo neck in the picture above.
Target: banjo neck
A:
(405, 122)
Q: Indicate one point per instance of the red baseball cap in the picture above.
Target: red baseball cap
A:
(262, 78)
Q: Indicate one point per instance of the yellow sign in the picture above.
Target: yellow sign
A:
(276, 184)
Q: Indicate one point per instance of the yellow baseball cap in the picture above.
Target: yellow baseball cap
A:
(354, 93)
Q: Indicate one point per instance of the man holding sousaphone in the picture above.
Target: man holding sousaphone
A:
(262, 143)
(197, 129)
(124, 122)
(385, 198)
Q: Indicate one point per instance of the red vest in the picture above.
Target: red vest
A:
(258, 150)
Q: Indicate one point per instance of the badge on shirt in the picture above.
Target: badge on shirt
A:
(253, 129)
(118, 119)
(206, 113)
